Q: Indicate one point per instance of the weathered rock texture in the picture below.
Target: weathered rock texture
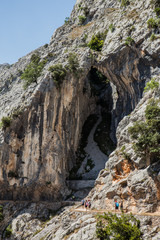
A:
(39, 148)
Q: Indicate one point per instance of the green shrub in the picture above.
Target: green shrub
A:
(151, 85)
(153, 37)
(66, 21)
(85, 37)
(73, 64)
(58, 74)
(125, 3)
(5, 122)
(33, 70)
(129, 41)
(111, 27)
(147, 134)
(1, 213)
(1, 216)
(8, 231)
(17, 112)
(82, 19)
(46, 45)
(97, 41)
(153, 23)
(157, 11)
(111, 226)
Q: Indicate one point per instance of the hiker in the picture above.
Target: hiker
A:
(83, 202)
(116, 205)
(86, 204)
(89, 203)
(121, 206)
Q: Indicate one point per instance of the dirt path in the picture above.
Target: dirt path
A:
(81, 209)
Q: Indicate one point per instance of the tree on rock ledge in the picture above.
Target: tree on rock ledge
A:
(124, 227)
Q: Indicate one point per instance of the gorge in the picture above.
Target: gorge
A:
(44, 144)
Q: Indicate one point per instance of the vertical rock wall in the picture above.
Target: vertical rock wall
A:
(39, 147)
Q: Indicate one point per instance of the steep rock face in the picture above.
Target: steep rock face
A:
(38, 149)
(38, 143)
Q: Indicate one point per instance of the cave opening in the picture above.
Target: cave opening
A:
(97, 140)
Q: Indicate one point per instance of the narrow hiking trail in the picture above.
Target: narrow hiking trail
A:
(94, 211)
(93, 152)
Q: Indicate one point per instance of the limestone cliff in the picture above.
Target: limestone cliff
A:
(38, 149)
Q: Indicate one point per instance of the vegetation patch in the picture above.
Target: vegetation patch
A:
(73, 64)
(153, 23)
(1, 213)
(153, 37)
(97, 41)
(17, 112)
(151, 85)
(129, 41)
(67, 20)
(157, 11)
(58, 74)
(147, 133)
(124, 227)
(125, 154)
(111, 27)
(125, 3)
(82, 19)
(33, 70)
(8, 231)
(5, 122)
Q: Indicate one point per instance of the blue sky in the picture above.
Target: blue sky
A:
(28, 24)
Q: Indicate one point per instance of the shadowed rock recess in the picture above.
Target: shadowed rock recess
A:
(54, 126)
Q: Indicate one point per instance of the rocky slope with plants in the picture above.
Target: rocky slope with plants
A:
(95, 67)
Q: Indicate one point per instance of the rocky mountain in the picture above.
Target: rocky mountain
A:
(66, 110)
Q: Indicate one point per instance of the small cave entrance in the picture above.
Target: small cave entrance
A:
(97, 140)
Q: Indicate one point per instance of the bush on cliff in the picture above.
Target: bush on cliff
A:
(33, 70)
(73, 64)
(8, 231)
(111, 226)
(82, 19)
(151, 85)
(1, 213)
(129, 41)
(147, 134)
(97, 42)
(125, 3)
(58, 74)
(153, 23)
(5, 122)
